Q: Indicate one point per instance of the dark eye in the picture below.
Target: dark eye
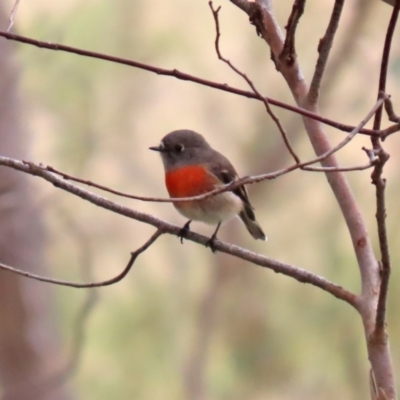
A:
(179, 148)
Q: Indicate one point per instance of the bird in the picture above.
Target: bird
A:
(192, 167)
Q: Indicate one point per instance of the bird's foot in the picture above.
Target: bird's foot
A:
(211, 243)
(185, 229)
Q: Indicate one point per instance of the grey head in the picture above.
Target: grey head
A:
(182, 147)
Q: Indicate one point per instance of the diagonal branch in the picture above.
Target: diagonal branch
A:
(288, 54)
(163, 227)
(186, 77)
(324, 48)
(251, 84)
(244, 5)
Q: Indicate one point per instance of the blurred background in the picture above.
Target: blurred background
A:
(184, 324)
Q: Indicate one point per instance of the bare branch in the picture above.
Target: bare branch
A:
(380, 184)
(358, 231)
(288, 54)
(390, 111)
(233, 185)
(324, 48)
(341, 169)
(164, 227)
(299, 274)
(243, 5)
(390, 130)
(107, 282)
(48, 173)
(251, 84)
(186, 77)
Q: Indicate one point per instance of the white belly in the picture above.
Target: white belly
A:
(212, 210)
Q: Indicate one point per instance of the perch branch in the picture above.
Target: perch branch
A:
(163, 227)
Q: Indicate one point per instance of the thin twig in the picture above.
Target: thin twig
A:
(251, 84)
(342, 169)
(186, 77)
(299, 274)
(288, 54)
(107, 282)
(12, 15)
(380, 184)
(324, 50)
(390, 111)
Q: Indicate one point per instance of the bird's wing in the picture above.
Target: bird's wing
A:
(225, 172)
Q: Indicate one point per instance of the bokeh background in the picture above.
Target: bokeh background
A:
(185, 324)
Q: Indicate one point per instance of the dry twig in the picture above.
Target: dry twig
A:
(187, 77)
(380, 183)
(324, 48)
(251, 84)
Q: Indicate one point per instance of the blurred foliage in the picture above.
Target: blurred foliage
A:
(264, 335)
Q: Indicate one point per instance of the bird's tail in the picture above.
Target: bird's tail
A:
(249, 219)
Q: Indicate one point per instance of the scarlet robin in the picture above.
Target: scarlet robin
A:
(192, 168)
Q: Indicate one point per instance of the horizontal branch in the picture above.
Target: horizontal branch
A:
(299, 274)
(186, 77)
(342, 169)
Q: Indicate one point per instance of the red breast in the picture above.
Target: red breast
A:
(189, 181)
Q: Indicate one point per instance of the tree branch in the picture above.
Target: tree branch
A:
(324, 48)
(380, 184)
(288, 54)
(163, 227)
(390, 111)
(251, 84)
(107, 282)
(186, 77)
(340, 187)
(235, 184)
(243, 5)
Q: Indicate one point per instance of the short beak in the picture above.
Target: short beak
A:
(156, 148)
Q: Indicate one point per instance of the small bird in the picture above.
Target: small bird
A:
(193, 168)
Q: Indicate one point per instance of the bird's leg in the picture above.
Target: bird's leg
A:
(185, 229)
(210, 243)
